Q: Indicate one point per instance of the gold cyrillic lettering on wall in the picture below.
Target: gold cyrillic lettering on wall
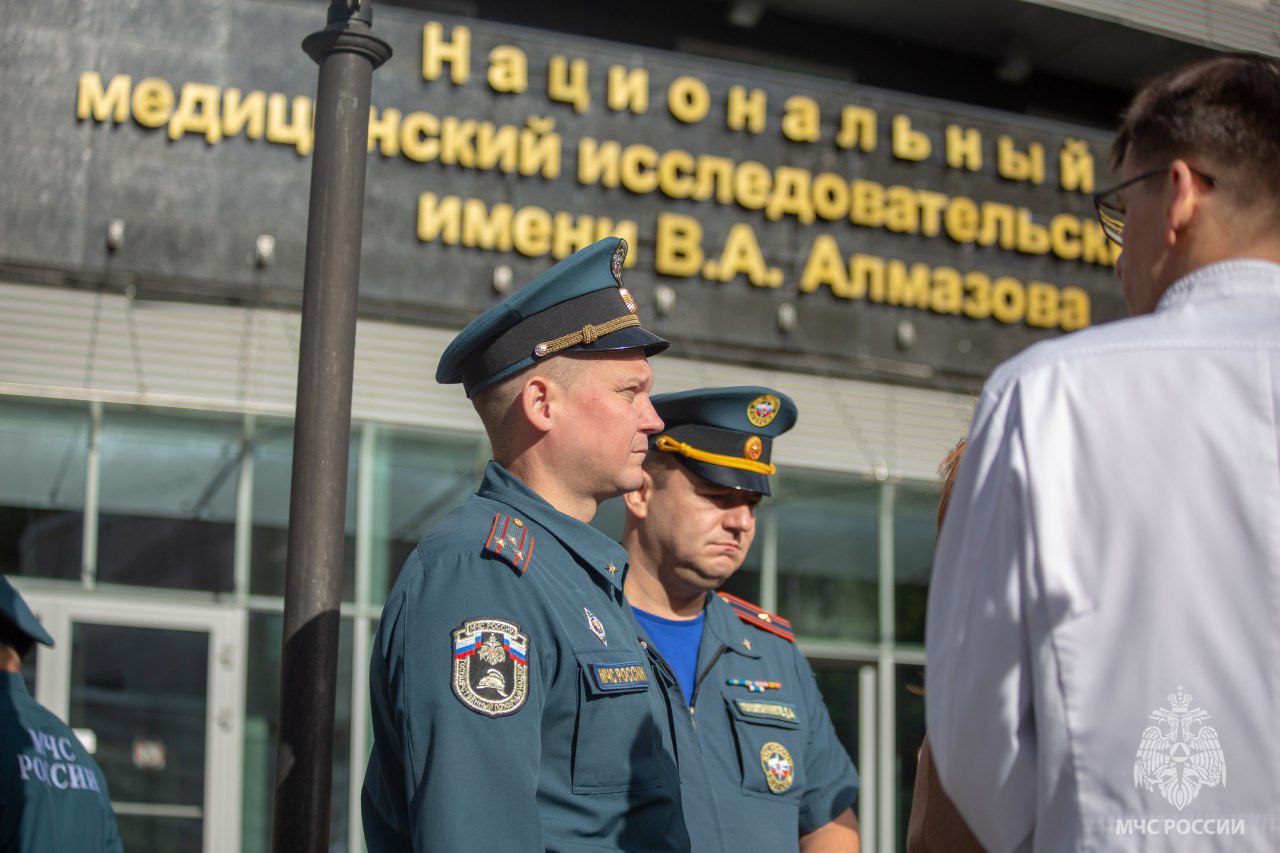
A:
(774, 192)
(109, 103)
(529, 230)
(857, 129)
(746, 110)
(964, 148)
(1020, 165)
(678, 245)
(567, 83)
(688, 99)
(801, 119)
(941, 289)
(1075, 166)
(437, 51)
(909, 144)
(628, 89)
(508, 69)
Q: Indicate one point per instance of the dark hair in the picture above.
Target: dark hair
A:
(1224, 110)
(14, 638)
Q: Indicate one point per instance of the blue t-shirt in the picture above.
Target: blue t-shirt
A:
(677, 641)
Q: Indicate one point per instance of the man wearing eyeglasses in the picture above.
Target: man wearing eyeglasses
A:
(1104, 615)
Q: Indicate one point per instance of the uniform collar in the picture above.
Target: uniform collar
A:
(725, 626)
(14, 683)
(1237, 277)
(590, 545)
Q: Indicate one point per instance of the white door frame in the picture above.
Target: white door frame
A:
(224, 717)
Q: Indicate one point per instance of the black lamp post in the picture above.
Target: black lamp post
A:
(347, 52)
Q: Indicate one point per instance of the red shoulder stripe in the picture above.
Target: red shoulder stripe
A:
(762, 619)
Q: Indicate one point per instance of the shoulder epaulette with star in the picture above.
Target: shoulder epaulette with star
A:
(511, 541)
(763, 619)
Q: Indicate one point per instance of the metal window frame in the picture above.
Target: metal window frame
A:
(876, 674)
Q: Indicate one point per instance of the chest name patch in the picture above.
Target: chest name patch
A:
(624, 677)
(767, 710)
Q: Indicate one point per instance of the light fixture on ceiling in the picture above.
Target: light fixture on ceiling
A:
(746, 13)
(1015, 64)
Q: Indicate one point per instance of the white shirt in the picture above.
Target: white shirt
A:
(1114, 535)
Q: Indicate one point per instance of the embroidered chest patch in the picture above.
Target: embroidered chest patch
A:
(767, 710)
(625, 677)
(491, 666)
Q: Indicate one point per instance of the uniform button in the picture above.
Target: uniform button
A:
(644, 645)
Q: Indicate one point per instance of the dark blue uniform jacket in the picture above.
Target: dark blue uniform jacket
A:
(514, 706)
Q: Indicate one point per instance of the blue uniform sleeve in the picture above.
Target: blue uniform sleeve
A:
(113, 844)
(456, 751)
(831, 782)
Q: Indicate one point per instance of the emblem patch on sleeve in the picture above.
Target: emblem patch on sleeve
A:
(491, 666)
(778, 769)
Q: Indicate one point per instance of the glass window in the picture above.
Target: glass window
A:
(262, 686)
(909, 726)
(418, 479)
(44, 447)
(168, 498)
(828, 545)
(143, 693)
(915, 514)
(272, 483)
(838, 681)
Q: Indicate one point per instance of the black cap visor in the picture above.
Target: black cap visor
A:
(731, 478)
(632, 337)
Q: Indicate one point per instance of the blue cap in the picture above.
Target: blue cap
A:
(19, 615)
(725, 435)
(579, 304)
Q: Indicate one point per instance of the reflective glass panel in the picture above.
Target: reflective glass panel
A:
(272, 472)
(143, 693)
(43, 448)
(915, 513)
(909, 722)
(168, 498)
(418, 479)
(262, 687)
(828, 545)
(838, 681)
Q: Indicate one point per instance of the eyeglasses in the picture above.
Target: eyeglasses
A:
(1111, 214)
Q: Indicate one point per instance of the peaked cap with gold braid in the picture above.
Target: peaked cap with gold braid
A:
(579, 304)
(725, 435)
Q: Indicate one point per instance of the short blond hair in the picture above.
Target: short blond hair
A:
(495, 403)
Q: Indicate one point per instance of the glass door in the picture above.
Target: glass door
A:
(152, 690)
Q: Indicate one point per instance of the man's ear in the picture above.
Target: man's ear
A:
(637, 502)
(1185, 200)
(535, 403)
